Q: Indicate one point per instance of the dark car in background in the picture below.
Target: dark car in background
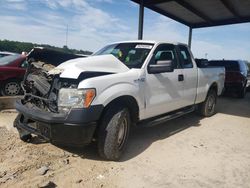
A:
(12, 70)
(201, 63)
(13, 67)
(237, 73)
(248, 77)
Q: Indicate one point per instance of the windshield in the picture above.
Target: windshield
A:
(132, 55)
(8, 59)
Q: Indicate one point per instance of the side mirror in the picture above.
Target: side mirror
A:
(161, 67)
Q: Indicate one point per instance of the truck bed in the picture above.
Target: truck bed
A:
(206, 77)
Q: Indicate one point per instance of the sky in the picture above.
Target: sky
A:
(95, 23)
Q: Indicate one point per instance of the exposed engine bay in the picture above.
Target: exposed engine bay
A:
(41, 88)
(43, 79)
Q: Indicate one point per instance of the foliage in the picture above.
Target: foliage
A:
(19, 47)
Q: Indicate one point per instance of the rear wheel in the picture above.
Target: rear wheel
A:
(242, 92)
(11, 88)
(113, 132)
(207, 108)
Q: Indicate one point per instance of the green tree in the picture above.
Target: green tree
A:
(19, 47)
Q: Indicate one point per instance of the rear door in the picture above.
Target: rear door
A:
(190, 75)
(164, 91)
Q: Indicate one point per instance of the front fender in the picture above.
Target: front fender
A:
(121, 89)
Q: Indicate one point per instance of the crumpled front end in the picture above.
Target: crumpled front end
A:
(41, 89)
(40, 114)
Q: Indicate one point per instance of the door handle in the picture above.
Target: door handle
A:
(180, 77)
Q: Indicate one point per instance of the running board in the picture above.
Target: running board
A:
(168, 116)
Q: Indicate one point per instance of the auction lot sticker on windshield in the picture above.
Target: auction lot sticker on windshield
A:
(143, 46)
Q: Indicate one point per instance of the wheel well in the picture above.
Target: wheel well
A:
(129, 102)
(12, 79)
(214, 86)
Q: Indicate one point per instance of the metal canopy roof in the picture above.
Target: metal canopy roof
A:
(201, 13)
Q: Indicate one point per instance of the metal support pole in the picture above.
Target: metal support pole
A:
(141, 20)
(190, 37)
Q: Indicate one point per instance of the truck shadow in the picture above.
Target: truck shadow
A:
(231, 105)
(141, 138)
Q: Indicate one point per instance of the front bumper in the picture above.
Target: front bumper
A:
(75, 128)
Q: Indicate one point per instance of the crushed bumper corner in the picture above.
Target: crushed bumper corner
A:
(72, 129)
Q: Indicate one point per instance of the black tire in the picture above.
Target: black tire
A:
(242, 92)
(11, 87)
(24, 135)
(208, 107)
(16, 121)
(113, 132)
(26, 138)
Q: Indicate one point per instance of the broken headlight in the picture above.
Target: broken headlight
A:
(75, 98)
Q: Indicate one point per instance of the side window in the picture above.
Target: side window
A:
(24, 64)
(165, 52)
(185, 57)
(243, 66)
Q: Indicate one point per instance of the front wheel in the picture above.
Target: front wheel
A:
(113, 132)
(207, 108)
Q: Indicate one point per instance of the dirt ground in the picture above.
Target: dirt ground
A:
(187, 152)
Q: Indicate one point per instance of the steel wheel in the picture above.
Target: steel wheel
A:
(12, 88)
(208, 107)
(211, 104)
(122, 133)
(113, 132)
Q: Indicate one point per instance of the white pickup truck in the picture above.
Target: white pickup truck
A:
(123, 84)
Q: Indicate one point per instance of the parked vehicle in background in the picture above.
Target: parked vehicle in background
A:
(3, 54)
(13, 67)
(236, 75)
(201, 63)
(123, 84)
(12, 70)
(248, 76)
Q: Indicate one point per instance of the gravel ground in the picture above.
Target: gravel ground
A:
(186, 152)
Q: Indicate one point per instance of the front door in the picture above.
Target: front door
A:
(164, 91)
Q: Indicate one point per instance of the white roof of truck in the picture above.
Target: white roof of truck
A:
(149, 41)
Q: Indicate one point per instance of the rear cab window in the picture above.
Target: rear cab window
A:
(185, 57)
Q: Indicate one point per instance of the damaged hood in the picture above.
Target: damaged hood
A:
(50, 56)
(103, 63)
